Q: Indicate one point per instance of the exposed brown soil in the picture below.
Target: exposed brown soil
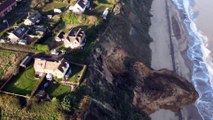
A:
(121, 78)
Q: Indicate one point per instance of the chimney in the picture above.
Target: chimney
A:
(79, 39)
(28, 14)
(63, 67)
(61, 60)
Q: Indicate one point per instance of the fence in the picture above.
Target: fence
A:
(6, 82)
(14, 94)
(38, 85)
(82, 73)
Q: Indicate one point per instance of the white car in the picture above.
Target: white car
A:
(57, 11)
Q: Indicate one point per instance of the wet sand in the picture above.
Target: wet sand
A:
(169, 51)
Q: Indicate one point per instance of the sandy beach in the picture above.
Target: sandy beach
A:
(169, 51)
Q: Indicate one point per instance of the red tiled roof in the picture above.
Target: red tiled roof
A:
(6, 4)
(50, 65)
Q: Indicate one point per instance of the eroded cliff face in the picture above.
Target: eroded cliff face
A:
(160, 89)
(122, 85)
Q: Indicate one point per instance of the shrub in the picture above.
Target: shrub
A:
(84, 102)
(70, 18)
(67, 102)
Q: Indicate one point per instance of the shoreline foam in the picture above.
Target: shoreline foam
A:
(170, 51)
(199, 55)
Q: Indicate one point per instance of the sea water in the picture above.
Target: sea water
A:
(199, 23)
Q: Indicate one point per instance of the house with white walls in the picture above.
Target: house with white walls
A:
(80, 6)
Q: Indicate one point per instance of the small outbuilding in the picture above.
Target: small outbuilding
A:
(105, 13)
(41, 30)
(54, 52)
(41, 94)
(26, 61)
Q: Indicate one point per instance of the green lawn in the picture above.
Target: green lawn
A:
(105, 1)
(57, 90)
(54, 5)
(76, 72)
(41, 48)
(111, 1)
(101, 7)
(22, 84)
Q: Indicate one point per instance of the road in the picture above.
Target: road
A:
(16, 14)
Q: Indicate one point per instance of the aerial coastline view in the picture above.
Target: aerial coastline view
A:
(106, 60)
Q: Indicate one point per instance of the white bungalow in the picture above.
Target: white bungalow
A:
(80, 6)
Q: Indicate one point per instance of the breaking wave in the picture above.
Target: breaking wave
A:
(199, 55)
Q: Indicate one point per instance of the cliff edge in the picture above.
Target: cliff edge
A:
(122, 84)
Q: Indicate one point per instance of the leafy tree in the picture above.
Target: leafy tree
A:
(67, 102)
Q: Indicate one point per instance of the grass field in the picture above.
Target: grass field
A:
(22, 84)
(49, 7)
(57, 90)
(101, 7)
(9, 62)
(41, 48)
